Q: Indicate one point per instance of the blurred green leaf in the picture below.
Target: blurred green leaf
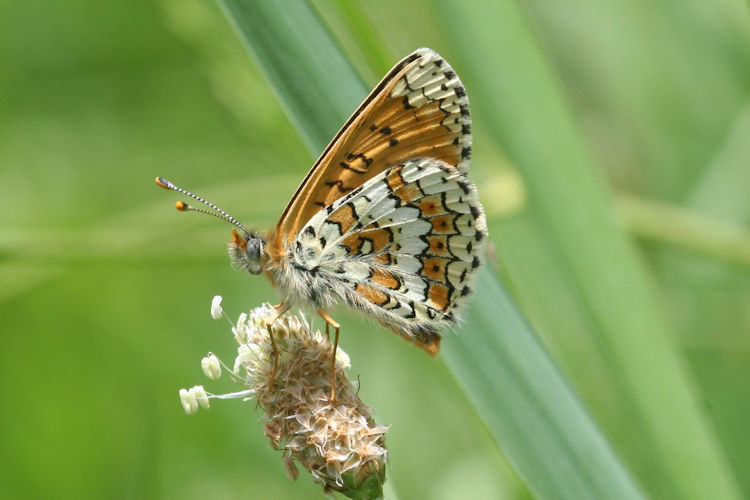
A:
(522, 397)
(712, 315)
(687, 228)
(722, 188)
(528, 405)
(289, 63)
(357, 37)
(573, 215)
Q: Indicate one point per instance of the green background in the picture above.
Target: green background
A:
(105, 289)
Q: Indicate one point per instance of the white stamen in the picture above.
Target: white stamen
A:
(216, 310)
(186, 402)
(211, 366)
(343, 359)
(193, 398)
(201, 396)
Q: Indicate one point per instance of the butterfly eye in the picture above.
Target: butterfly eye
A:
(253, 250)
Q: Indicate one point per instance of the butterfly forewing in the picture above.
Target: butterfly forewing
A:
(420, 109)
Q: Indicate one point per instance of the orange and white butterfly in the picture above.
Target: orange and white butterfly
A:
(386, 221)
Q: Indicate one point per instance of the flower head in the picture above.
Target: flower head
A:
(337, 442)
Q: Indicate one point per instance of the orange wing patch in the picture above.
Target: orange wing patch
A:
(395, 180)
(434, 268)
(439, 295)
(438, 245)
(444, 224)
(371, 294)
(385, 278)
(383, 259)
(370, 241)
(380, 238)
(345, 217)
(431, 205)
(428, 340)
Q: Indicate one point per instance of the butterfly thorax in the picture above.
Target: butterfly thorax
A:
(297, 273)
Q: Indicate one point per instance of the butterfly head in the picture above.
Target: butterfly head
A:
(247, 252)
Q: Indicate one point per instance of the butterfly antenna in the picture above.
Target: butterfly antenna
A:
(184, 207)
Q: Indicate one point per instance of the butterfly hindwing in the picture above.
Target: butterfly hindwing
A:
(420, 109)
(402, 247)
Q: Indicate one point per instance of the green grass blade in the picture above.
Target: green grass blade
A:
(291, 45)
(524, 400)
(572, 210)
(722, 189)
(528, 405)
(363, 45)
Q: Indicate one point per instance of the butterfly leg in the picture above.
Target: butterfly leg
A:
(336, 326)
(281, 308)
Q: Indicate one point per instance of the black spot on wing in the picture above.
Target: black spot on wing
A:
(340, 185)
(367, 161)
(346, 166)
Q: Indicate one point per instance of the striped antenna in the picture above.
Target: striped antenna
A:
(184, 207)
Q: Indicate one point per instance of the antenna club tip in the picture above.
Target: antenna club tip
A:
(162, 182)
(181, 206)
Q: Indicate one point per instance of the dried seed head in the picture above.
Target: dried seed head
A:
(337, 442)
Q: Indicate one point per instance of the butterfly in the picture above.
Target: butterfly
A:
(386, 221)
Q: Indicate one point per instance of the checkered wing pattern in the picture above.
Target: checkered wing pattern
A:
(420, 109)
(402, 247)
